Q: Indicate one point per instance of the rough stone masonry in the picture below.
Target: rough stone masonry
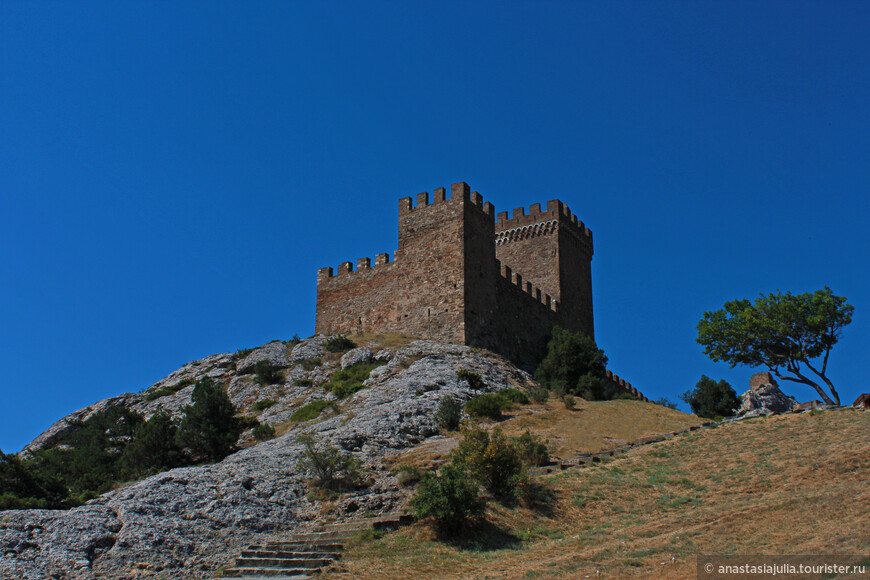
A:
(461, 274)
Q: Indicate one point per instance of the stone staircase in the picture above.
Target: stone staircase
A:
(299, 556)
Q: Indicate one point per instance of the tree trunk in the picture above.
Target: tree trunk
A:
(813, 384)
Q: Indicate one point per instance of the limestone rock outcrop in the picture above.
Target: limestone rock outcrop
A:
(764, 397)
(185, 522)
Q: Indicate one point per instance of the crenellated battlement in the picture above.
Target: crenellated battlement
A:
(528, 287)
(624, 385)
(346, 268)
(462, 273)
(459, 193)
(539, 222)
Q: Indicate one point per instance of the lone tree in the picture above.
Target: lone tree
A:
(780, 331)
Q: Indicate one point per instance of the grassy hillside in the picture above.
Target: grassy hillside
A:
(790, 484)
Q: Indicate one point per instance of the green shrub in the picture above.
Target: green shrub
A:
(492, 458)
(153, 448)
(170, 390)
(303, 382)
(532, 449)
(243, 352)
(262, 405)
(712, 399)
(539, 394)
(312, 410)
(665, 402)
(571, 356)
(310, 364)
(569, 402)
(348, 381)
(474, 380)
(409, 475)
(339, 343)
(488, 405)
(210, 427)
(515, 396)
(625, 397)
(328, 466)
(449, 413)
(451, 498)
(263, 431)
(266, 374)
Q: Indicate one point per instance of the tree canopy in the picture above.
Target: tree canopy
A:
(575, 365)
(784, 332)
(711, 399)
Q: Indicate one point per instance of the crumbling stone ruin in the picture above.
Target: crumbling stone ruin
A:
(764, 397)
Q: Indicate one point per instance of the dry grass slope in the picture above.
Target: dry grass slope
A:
(791, 484)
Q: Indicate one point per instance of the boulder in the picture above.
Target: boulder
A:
(764, 397)
(308, 349)
(275, 353)
(356, 356)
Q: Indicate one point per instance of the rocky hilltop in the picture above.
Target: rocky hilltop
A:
(192, 519)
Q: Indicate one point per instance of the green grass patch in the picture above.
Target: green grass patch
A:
(312, 410)
(347, 382)
(310, 364)
(262, 405)
(170, 390)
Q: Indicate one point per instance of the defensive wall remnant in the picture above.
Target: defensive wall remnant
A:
(465, 275)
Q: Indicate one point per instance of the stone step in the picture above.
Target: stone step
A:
(313, 555)
(301, 545)
(270, 572)
(337, 535)
(377, 523)
(283, 563)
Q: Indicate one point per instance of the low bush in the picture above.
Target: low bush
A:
(539, 394)
(449, 413)
(266, 374)
(569, 402)
(303, 382)
(492, 458)
(243, 352)
(339, 343)
(451, 498)
(409, 475)
(474, 380)
(312, 410)
(263, 431)
(515, 396)
(169, 390)
(310, 364)
(489, 405)
(328, 466)
(665, 402)
(262, 405)
(532, 449)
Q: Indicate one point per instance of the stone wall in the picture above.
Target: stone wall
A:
(554, 249)
(459, 276)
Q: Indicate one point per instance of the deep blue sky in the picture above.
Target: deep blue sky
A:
(172, 174)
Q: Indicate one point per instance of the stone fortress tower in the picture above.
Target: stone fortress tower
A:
(461, 274)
